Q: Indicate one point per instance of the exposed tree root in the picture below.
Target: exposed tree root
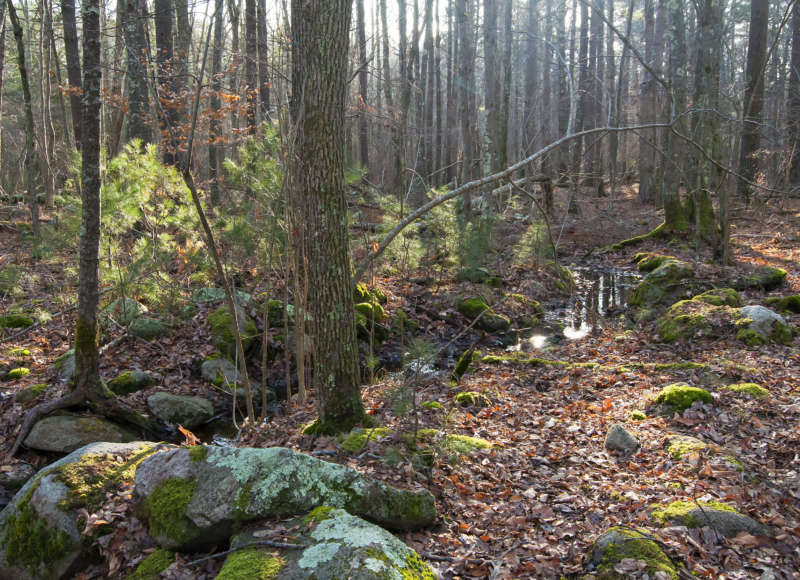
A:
(658, 232)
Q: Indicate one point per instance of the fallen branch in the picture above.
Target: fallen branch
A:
(265, 543)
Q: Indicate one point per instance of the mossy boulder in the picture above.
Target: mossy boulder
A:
(123, 311)
(682, 446)
(15, 320)
(336, 545)
(750, 389)
(694, 319)
(31, 392)
(362, 293)
(132, 381)
(220, 372)
(221, 322)
(678, 397)
(65, 365)
(40, 530)
(148, 328)
(472, 399)
(723, 518)
(18, 373)
(620, 545)
(372, 310)
(789, 303)
(489, 320)
(720, 297)
(203, 295)
(187, 411)
(192, 502)
(528, 312)
(66, 433)
(759, 325)
(366, 329)
(649, 261)
(763, 277)
(275, 311)
(357, 438)
(663, 285)
(151, 567)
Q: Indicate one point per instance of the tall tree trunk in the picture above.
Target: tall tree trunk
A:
(584, 88)
(438, 155)
(470, 162)
(215, 124)
(250, 63)
(427, 138)
(2, 65)
(451, 139)
(87, 353)
(136, 49)
(674, 210)
(594, 100)
(363, 116)
(647, 112)
(234, 14)
(405, 99)
(753, 94)
(320, 35)
(492, 80)
(793, 107)
(505, 94)
(263, 60)
(167, 97)
(531, 77)
(73, 65)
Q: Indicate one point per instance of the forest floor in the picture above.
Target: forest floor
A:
(532, 505)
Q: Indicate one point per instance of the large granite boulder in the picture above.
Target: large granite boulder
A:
(183, 410)
(759, 325)
(665, 284)
(723, 518)
(194, 498)
(221, 322)
(621, 551)
(66, 433)
(40, 530)
(336, 545)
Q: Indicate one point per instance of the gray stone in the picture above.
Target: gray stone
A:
(722, 518)
(41, 500)
(65, 365)
(65, 433)
(122, 311)
(180, 410)
(132, 381)
(763, 318)
(202, 295)
(224, 374)
(620, 439)
(227, 486)
(148, 328)
(340, 545)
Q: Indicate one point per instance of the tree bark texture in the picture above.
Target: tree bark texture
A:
(136, 56)
(320, 35)
(794, 99)
(73, 65)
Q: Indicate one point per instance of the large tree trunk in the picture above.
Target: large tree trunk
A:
(215, 124)
(251, 64)
(136, 53)
(2, 64)
(73, 65)
(648, 185)
(263, 60)
(87, 354)
(753, 93)
(793, 108)
(363, 115)
(165, 63)
(492, 79)
(470, 162)
(320, 35)
(674, 210)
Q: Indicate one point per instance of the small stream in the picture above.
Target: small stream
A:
(601, 296)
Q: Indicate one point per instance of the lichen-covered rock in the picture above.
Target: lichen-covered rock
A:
(720, 297)
(189, 412)
(194, 500)
(664, 284)
(65, 365)
(764, 277)
(489, 321)
(66, 433)
(620, 439)
(40, 530)
(692, 319)
(123, 311)
(723, 518)
(148, 328)
(221, 322)
(15, 320)
(678, 397)
(760, 325)
(203, 295)
(619, 546)
(336, 545)
(30, 392)
(132, 381)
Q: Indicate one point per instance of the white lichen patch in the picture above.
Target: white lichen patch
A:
(318, 554)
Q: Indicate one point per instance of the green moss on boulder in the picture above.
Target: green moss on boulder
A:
(221, 322)
(789, 303)
(251, 564)
(31, 392)
(18, 373)
(357, 438)
(489, 321)
(15, 320)
(31, 542)
(725, 519)
(148, 328)
(679, 446)
(472, 398)
(620, 543)
(764, 277)
(678, 397)
(690, 319)
(151, 567)
(663, 284)
(123, 311)
(432, 405)
(720, 297)
(371, 310)
(648, 261)
(165, 509)
(132, 381)
(752, 389)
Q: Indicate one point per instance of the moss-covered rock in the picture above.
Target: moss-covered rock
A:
(789, 303)
(151, 567)
(528, 312)
(361, 293)
(366, 329)
(275, 312)
(40, 529)
(681, 446)
(724, 518)
(764, 277)
(336, 545)
(183, 410)
(664, 284)
(251, 564)
(759, 325)
(637, 415)
(221, 322)
(693, 319)
(132, 381)
(31, 392)
(65, 365)
(203, 295)
(751, 389)
(678, 397)
(19, 353)
(122, 311)
(18, 373)
(489, 320)
(15, 320)
(649, 261)
(371, 310)
(148, 328)
(478, 275)
(720, 297)
(621, 543)
(432, 405)
(462, 365)
(357, 438)
(472, 398)
(65, 433)
(231, 486)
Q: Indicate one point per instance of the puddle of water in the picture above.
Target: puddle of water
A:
(601, 296)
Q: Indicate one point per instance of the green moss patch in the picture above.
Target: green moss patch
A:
(15, 320)
(764, 277)
(680, 446)
(785, 303)
(372, 310)
(663, 284)
(679, 396)
(687, 319)
(18, 373)
(752, 389)
(620, 543)
(31, 542)
(489, 321)
(221, 321)
(685, 512)
(648, 261)
(19, 353)
(637, 416)
(432, 405)
(151, 567)
(131, 382)
(251, 564)
(30, 393)
(165, 509)
(472, 398)
(317, 515)
(720, 297)
(462, 365)
(357, 439)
